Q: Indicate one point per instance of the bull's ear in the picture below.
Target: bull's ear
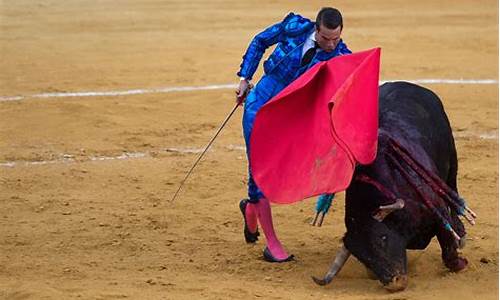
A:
(385, 210)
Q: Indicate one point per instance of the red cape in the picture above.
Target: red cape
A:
(307, 140)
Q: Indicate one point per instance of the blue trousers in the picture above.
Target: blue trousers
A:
(267, 87)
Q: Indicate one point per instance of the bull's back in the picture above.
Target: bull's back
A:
(415, 117)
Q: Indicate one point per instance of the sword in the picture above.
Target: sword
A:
(238, 102)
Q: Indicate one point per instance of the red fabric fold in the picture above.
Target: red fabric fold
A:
(307, 140)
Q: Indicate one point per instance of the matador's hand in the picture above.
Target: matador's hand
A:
(242, 90)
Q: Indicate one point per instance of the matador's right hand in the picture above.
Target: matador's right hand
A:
(242, 90)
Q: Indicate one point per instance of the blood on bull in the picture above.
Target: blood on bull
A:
(408, 194)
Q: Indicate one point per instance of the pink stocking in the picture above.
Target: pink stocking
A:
(251, 217)
(266, 222)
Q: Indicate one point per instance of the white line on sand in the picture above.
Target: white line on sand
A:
(205, 88)
(67, 158)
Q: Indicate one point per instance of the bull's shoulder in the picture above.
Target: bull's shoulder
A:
(406, 89)
(403, 97)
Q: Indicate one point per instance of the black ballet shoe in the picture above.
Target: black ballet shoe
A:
(250, 237)
(270, 258)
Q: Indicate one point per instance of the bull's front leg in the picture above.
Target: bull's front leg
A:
(449, 252)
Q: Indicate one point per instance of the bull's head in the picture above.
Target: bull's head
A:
(381, 249)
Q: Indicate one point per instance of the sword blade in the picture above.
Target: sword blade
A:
(205, 150)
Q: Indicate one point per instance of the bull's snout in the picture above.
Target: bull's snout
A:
(398, 283)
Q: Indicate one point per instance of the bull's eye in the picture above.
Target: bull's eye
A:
(383, 241)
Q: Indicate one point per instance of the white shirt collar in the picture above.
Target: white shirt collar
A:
(309, 43)
(313, 36)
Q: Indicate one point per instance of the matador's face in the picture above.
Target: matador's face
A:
(326, 38)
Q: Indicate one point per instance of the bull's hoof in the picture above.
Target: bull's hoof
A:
(457, 265)
(320, 281)
(250, 237)
(270, 258)
(398, 283)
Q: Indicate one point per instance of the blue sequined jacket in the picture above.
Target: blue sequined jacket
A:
(284, 62)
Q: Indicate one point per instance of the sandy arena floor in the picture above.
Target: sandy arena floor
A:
(84, 181)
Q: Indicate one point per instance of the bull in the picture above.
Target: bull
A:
(408, 194)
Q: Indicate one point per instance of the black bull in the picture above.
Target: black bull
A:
(408, 194)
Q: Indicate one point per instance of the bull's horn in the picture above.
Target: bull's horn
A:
(339, 261)
(385, 210)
